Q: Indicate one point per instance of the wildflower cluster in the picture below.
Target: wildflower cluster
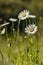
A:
(23, 15)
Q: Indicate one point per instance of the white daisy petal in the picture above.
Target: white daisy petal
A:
(31, 16)
(12, 19)
(4, 24)
(26, 31)
(36, 28)
(26, 28)
(3, 31)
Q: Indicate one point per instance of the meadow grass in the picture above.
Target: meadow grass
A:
(21, 50)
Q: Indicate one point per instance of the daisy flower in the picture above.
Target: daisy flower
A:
(23, 15)
(4, 24)
(3, 31)
(12, 19)
(31, 29)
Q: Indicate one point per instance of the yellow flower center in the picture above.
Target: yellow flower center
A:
(31, 29)
(24, 14)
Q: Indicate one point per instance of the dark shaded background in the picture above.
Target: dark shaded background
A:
(11, 8)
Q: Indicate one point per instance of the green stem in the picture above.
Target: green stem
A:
(30, 45)
(26, 22)
(37, 48)
(0, 31)
(13, 27)
(29, 21)
(6, 34)
(18, 31)
(9, 57)
(23, 25)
